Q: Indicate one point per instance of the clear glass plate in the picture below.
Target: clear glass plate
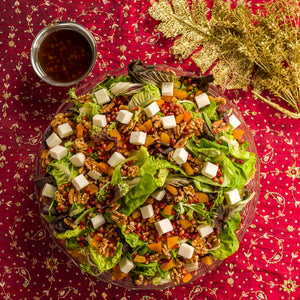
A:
(247, 214)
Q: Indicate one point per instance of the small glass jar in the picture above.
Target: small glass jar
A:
(63, 53)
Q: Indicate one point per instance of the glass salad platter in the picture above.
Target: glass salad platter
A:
(147, 177)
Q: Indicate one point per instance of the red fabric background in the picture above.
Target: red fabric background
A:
(32, 267)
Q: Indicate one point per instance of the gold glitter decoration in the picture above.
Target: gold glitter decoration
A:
(242, 49)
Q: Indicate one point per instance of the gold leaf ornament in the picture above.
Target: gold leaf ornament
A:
(242, 49)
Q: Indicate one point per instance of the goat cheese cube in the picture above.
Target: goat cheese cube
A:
(49, 190)
(232, 196)
(126, 265)
(98, 221)
(234, 121)
(124, 116)
(204, 230)
(167, 88)
(168, 122)
(58, 152)
(64, 130)
(80, 182)
(115, 159)
(202, 100)
(102, 96)
(137, 138)
(147, 211)
(158, 195)
(100, 120)
(77, 159)
(180, 155)
(53, 140)
(186, 250)
(94, 174)
(209, 169)
(152, 109)
(163, 226)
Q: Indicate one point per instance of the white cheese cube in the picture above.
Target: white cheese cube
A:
(53, 140)
(167, 88)
(163, 226)
(209, 169)
(77, 160)
(186, 250)
(49, 190)
(115, 159)
(234, 121)
(180, 155)
(232, 196)
(102, 96)
(147, 211)
(124, 116)
(158, 195)
(98, 221)
(58, 152)
(126, 265)
(94, 174)
(202, 100)
(152, 109)
(168, 122)
(80, 182)
(64, 130)
(100, 120)
(205, 229)
(137, 138)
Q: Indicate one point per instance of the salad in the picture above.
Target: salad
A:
(146, 177)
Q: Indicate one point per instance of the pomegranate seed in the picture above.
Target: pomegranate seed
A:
(113, 118)
(214, 131)
(219, 142)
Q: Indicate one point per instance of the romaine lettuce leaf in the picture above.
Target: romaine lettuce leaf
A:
(205, 149)
(210, 111)
(106, 263)
(132, 239)
(68, 234)
(138, 195)
(62, 170)
(229, 243)
(148, 270)
(146, 96)
(139, 156)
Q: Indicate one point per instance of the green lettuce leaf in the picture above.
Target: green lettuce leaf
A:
(132, 239)
(139, 156)
(62, 170)
(68, 233)
(229, 243)
(205, 149)
(138, 195)
(146, 96)
(106, 263)
(148, 270)
(72, 243)
(210, 111)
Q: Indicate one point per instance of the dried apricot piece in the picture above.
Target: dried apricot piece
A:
(172, 189)
(157, 247)
(168, 265)
(172, 241)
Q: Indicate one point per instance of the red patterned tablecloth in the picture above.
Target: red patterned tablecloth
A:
(32, 267)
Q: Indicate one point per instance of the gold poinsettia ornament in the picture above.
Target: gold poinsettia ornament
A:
(244, 47)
